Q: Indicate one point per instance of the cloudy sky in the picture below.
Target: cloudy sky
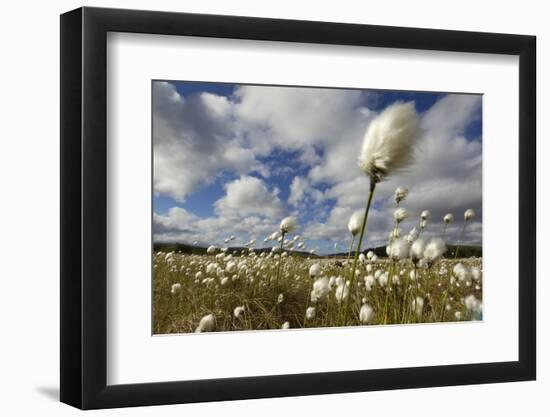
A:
(235, 159)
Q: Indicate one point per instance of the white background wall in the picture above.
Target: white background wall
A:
(29, 175)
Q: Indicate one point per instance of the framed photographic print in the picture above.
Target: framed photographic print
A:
(258, 208)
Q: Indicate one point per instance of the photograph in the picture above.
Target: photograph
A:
(290, 207)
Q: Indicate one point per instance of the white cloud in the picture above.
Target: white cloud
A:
(248, 209)
(301, 192)
(249, 195)
(194, 141)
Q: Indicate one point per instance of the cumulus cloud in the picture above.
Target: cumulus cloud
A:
(301, 192)
(249, 195)
(194, 141)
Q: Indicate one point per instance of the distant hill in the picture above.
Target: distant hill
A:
(199, 250)
(464, 251)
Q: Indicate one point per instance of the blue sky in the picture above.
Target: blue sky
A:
(234, 159)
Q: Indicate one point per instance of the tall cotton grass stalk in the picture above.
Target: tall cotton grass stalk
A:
(388, 147)
(424, 216)
(288, 224)
(354, 227)
(447, 219)
(468, 215)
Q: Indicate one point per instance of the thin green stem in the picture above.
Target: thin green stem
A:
(388, 290)
(363, 226)
(460, 239)
(351, 246)
(280, 258)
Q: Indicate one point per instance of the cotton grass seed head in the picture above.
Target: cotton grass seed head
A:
(211, 250)
(425, 215)
(400, 214)
(314, 270)
(176, 288)
(342, 292)
(206, 324)
(369, 282)
(476, 273)
(366, 314)
(321, 288)
(448, 218)
(310, 313)
(355, 222)
(417, 250)
(400, 194)
(231, 267)
(469, 215)
(418, 306)
(389, 141)
(399, 249)
(288, 224)
(238, 311)
(434, 250)
(286, 325)
(461, 272)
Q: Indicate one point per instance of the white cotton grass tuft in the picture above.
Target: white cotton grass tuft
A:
(206, 324)
(355, 222)
(461, 272)
(211, 250)
(425, 215)
(448, 218)
(366, 314)
(176, 288)
(238, 311)
(369, 282)
(280, 298)
(473, 305)
(418, 306)
(231, 267)
(400, 214)
(400, 194)
(476, 273)
(417, 250)
(469, 215)
(321, 288)
(286, 325)
(383, 279)
(288, 224)
(434, 250)
(310, 313)
(342, 291)
(399, 249)
(314, 270)
(389, 141)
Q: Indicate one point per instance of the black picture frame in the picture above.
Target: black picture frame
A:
(84, 207)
